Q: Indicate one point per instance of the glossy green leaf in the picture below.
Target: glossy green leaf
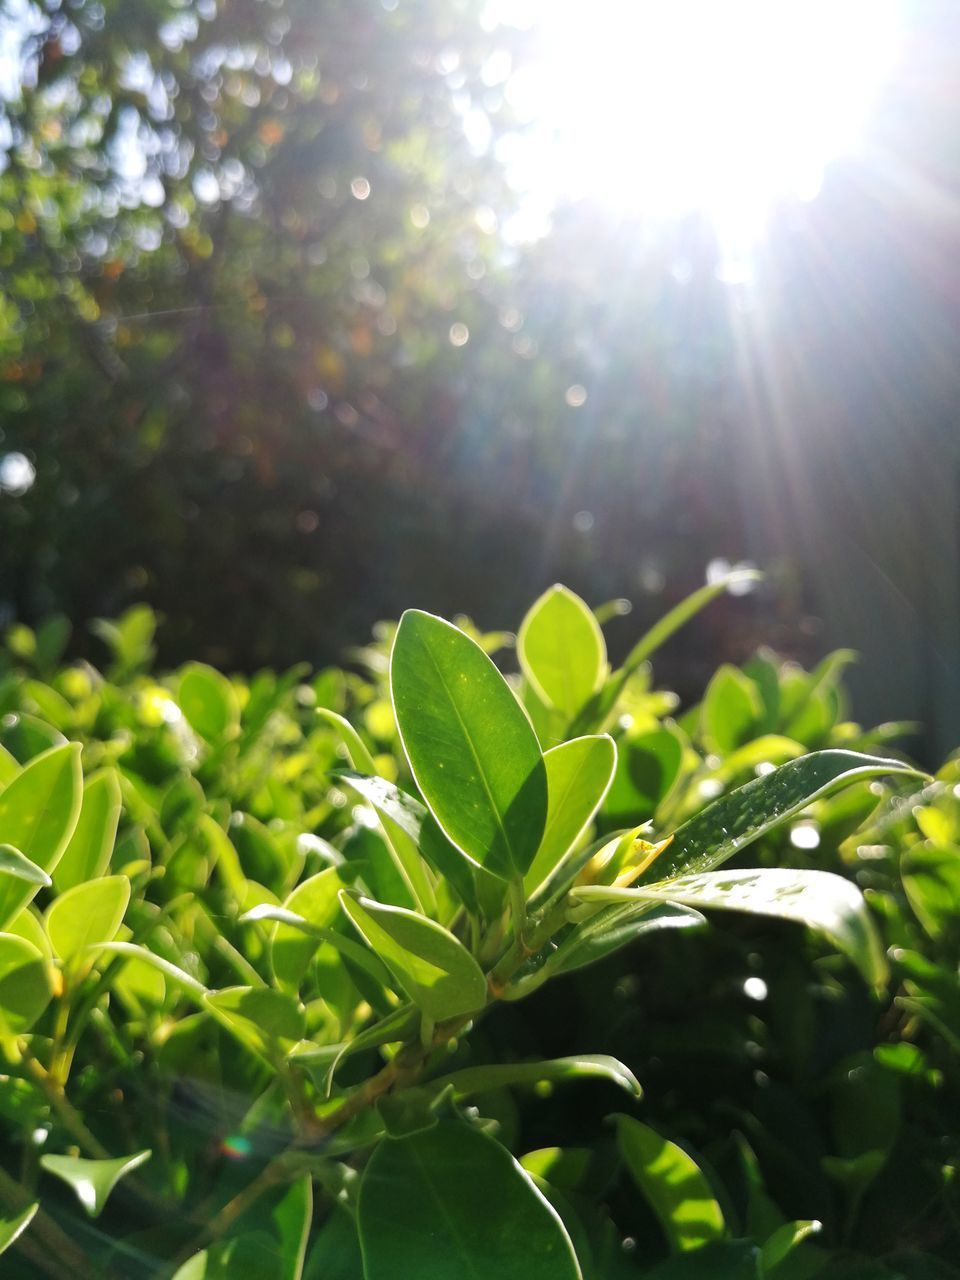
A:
(268, 1022)
(24, 984)
(673, 1184)
(561, 650)
(735, 820)
(435, 970)
(38, 814)
(87, 914)
(579, 773)
(452, 1201)
(13, 863)
(820, 900)
(731, 709)
(93, 1180)
(13, 1227)
(209, 702)
(502, 1075)
(88, 853)
(472, 750)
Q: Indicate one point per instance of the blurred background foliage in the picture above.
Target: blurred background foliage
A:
(274, 362)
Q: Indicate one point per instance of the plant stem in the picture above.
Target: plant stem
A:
(518, 909)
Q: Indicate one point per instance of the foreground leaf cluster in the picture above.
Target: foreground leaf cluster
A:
(256, 937)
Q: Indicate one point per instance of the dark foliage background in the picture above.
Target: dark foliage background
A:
(236, 240)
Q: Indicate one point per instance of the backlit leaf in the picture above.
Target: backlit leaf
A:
(38, 813)
(86, 915)
(561, 650)
(437, 972)
(578, 775)
(472, 750)
(676, 1189)
(88, 853)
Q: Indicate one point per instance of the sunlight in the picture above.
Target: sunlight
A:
(669, 106)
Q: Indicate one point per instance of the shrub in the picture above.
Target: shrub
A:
(257, 936)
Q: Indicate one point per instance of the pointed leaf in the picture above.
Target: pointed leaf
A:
(13, 863)
(88, 853)
(561, 650)
(437, 972)
(676, 1189)
(735, 820)
(38, 812)
(87, 914)
(579, 773)
(452, 1201)
(818, 899)
(502, 1075)
(93, 1180)
(472, 750)
(24, 984)
(12, 1228)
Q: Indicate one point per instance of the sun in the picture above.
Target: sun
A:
(664, 107)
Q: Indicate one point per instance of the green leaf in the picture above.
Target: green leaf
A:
(578, 775)
(561, 650)
(613, 928)
(435, 970)
(673, 1184)
(87, 914)
(38, 813)
(502, 1075)
(404, 850)
(783, 1242)
(291, 950)
(452, 1201)
(647, 768)
(13, 863)
(209, 702)
(24, 984)
(9, 767)
(408, 815)
(822, 901)
(93, 1180)
(472, 750)
(735, 820)
(268, 1022)
(88, 853)
(12, 1228)
(183, 979)
(294, 929)
(731, 709)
